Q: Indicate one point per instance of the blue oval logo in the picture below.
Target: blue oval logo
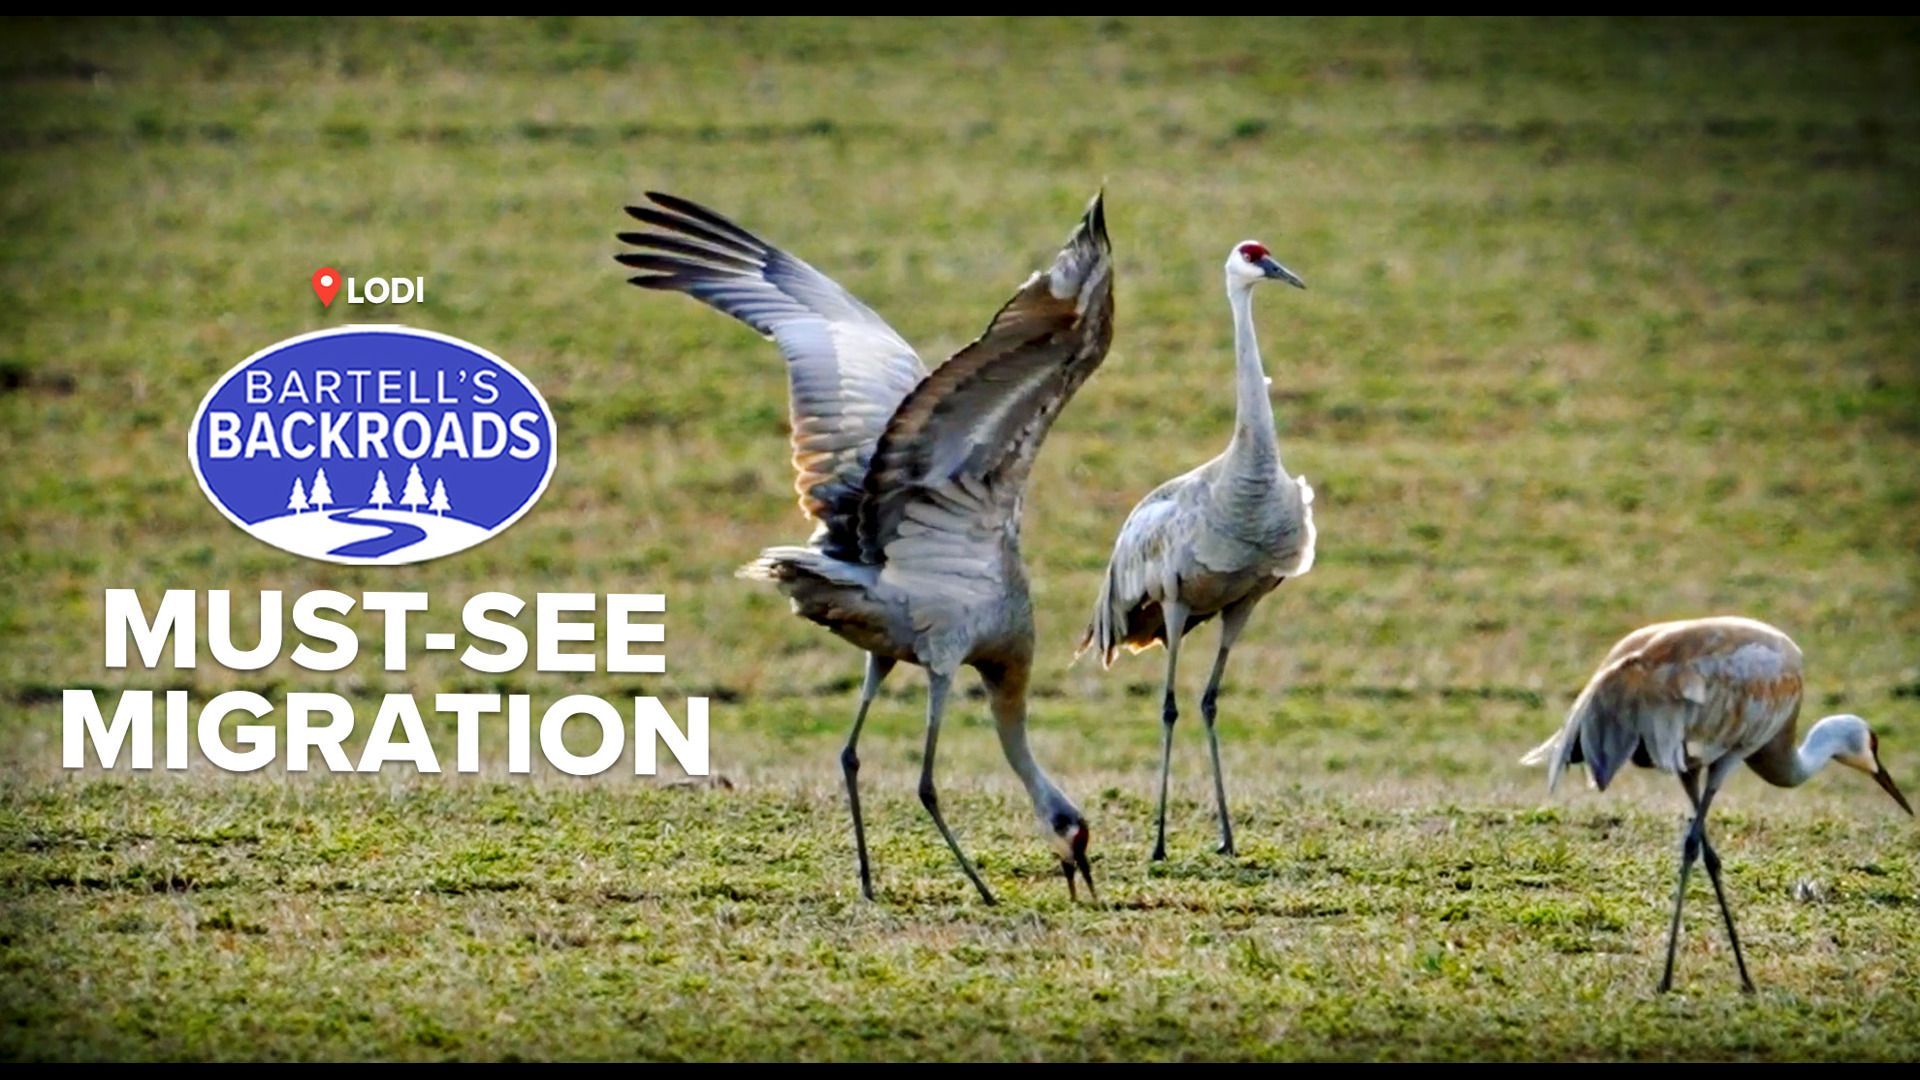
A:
(373, 445)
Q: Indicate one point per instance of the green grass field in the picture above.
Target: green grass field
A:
(1609, 322)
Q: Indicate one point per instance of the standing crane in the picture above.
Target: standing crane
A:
(1696, 698)
(1212, 542)
(914, 481)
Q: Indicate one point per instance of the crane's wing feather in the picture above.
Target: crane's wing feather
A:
(847, 370)
(948, 474)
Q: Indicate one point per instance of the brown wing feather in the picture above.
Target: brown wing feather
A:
(965, 438)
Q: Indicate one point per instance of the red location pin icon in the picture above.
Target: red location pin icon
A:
(326, 282)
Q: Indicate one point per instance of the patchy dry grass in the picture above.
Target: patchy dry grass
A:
(1371, 914)
(1609, 322)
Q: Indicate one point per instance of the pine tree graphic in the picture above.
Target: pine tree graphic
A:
(299, 500)
(322, 494)
(381, 496)
(415, 493)
(439, 504)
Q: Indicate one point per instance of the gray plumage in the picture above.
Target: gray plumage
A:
(914, 481)
(1212, 542)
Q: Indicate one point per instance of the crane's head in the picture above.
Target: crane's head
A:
(1855, 745)
(1068, 831)
(1250, 263)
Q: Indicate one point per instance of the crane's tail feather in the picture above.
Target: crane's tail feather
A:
(1553, 754)
(1541, 754)
(1564, 748)
(1608, 726)
(836, 594)
(1104, 630)
(793, 563)
(1087, 641)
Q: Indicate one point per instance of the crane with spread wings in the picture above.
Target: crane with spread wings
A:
(914, 480)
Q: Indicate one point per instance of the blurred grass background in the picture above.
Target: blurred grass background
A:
(1610, 321)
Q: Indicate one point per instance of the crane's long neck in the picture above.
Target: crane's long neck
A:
(1010, 718)
(1253, 436)
(1781, 764)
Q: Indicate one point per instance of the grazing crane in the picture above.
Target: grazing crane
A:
(1696, 698)
(914, 480)
(1212, 542)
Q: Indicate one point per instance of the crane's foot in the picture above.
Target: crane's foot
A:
(1666, 984)
(1746, 985)
(1159, 852)
(1226, 849)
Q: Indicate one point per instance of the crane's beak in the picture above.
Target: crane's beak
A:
(1080, 864)
(1886, 781)
(1275, 270)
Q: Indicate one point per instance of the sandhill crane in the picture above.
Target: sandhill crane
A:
(1696, 698)
(1212, 542)
(914, 480)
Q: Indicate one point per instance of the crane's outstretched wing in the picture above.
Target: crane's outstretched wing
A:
(947, 477)
(847, 370)
(1675, 694)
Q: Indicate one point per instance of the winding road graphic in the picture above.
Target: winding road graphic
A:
(399, 535)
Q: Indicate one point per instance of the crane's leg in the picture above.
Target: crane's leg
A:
(1175, 615)
(1232, 620)
(1689, 851)
(1712, 858)
(877, 668)
(938, 683)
